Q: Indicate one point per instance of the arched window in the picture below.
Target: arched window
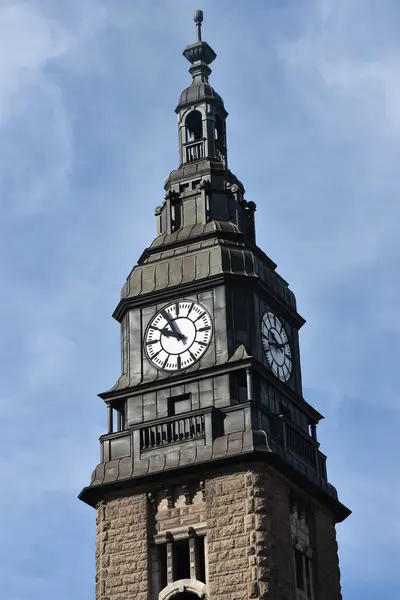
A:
(194, 126)
(186, 596)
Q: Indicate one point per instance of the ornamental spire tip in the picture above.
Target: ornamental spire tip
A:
(198, 19)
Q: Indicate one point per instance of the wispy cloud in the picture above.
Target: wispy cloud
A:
(87, 138)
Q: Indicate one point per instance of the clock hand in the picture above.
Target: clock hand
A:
(279, 346)
(275, 341)
(167, 333)
(173, 325)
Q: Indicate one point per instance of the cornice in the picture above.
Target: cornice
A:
(183, 289)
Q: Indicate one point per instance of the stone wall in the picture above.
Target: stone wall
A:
(326, 557)
(248, 533)
(122, 568)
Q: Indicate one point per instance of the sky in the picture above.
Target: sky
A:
(88, 135)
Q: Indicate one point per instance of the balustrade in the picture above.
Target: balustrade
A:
(298, 443)
(179, 430)
(194, 151)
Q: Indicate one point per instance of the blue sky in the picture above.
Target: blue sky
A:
(88, 135)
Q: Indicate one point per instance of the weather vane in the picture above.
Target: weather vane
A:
(198, 19)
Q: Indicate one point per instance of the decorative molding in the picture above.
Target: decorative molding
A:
(187, 494)
(184, 585)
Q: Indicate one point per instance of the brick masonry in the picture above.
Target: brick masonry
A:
(246, 516)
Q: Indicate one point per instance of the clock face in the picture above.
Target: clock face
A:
(178, 335)
(276, 346)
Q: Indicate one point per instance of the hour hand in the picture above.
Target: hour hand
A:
(170, 333)
(279, 346)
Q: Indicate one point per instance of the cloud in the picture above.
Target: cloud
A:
(87, 138)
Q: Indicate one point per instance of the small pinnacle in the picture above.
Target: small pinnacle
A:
(198, 19)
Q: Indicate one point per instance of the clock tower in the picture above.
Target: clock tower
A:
(211, 483)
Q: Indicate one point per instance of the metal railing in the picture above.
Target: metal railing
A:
(298, 443)
(177, 430)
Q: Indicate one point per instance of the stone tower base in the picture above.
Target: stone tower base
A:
(250, 518)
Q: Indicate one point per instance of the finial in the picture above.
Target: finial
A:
(200, 54)
(198, 19)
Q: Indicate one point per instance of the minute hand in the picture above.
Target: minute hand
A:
(173, 325)
(280, 346)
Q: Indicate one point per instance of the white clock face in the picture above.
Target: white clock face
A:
(178, 335)
(276, 346)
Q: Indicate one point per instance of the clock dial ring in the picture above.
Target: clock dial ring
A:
(178, 335)
(276, 346)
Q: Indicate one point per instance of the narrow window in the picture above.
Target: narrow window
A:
(308, 576)
(176, 215)
(181, 559)
(219, 131)
(200, 559)
(298, 558)
(162, 565)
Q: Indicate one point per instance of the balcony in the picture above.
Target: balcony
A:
(180, 429)
(304, 446)
(198, 427)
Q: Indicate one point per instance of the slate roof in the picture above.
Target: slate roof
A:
(199, 91)
(200, 255)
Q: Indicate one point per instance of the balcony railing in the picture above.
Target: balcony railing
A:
(300, 444)
(179, 430)
(194, 151)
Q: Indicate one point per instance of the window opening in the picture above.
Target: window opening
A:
(200, 559)
(181, 559)
(179, 404)
(176, 215)
(298, 557)
(194, 126)
(219, 130)
(299, 523)
(162, 565)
